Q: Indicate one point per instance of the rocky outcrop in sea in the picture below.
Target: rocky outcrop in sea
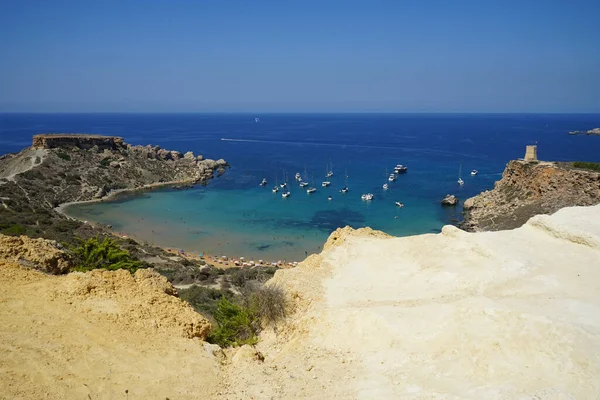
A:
(527, 189)
(595, 131)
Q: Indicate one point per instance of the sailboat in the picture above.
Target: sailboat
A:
(460, 181)
(345, 188)
(263, 182)
(276, 187)
(284, 184)
(328, 173)
(304, 183)
(312, 188)
(385, 185)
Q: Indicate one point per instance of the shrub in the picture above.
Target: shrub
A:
(236, 325)
(268, 303)
(64, 156)
(105, 162)
(14, 230)
(587, 165)
(105, 254)
(204, 299)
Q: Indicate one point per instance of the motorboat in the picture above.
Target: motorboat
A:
(275, 189)
(283, 185)
(311, 190)
(386, 186)
(303, 184)
(392, 177)
(399, 204)
(285, 194)
(263, 182)
(474, 172)
(329, 198)
(460, 181)
(400, 169)
(325, 183)
(298, 177)
(367, 196)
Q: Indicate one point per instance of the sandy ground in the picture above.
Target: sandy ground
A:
(96, 336)
(496, 315)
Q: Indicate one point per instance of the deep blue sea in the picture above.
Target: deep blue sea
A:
(233, 215)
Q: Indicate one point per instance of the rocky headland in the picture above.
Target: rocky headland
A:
(62, 168)
(595, 131)
(531, 188)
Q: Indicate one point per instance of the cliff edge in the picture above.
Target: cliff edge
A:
(97, 334)
(527, 189)
(456, 315)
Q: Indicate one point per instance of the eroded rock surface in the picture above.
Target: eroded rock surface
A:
(527, 189)
(456, 315)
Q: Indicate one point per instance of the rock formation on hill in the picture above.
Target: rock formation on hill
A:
(527, 189)
(456, 315)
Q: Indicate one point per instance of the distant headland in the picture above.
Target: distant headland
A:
(595, 131)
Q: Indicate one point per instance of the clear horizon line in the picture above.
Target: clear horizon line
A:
(312, 112)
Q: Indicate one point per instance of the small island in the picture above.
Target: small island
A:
(595, 131)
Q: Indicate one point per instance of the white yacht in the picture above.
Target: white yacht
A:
(298, 177)
(474, 172)
(325, 183)
(400, 169)
(311, 190)
(392, 177)
(367, 196)
(399, 204)
(303, 184)
(386, 186)
(460, 181)
(285, 194)
(263, 182)
(275, 189)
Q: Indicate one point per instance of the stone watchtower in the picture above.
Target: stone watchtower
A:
(530, 153)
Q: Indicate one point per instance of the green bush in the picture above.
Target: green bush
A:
(105, 162)
(204, 299)
(236, 325)
(105, 254)
(587, 165)
(14, 230)
(64, 156)
(240, 323)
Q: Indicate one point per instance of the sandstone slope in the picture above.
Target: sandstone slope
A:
(97, 335)
(491, 315)
(527, 189)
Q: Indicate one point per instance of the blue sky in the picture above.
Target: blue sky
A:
(304, 56)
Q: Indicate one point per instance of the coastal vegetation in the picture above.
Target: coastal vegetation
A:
(104, 254)
(238, 313)
(592, 166)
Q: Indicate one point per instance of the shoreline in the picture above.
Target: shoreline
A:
(217, 261)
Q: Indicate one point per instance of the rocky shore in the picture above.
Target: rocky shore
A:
(527, 189)
(595, 131)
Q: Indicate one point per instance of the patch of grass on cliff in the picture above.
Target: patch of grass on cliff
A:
(14, 230)
(106, 254)
(64, 156)
(240, 320)
(592, 166)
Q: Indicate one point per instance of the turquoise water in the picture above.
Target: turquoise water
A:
(233, 215)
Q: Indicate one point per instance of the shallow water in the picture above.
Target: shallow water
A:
(235, 216)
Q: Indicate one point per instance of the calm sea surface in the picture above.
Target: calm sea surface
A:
(234, 215)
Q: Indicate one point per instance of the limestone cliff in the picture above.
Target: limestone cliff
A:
(527, 189)
(456, 315)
